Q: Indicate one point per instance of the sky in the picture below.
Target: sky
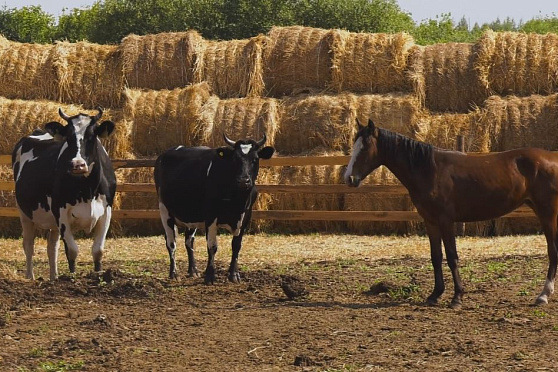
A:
(474, 11)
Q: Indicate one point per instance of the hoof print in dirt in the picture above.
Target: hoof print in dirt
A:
(293, 287)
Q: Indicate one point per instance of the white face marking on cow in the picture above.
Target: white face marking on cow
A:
(179, 147)
(64, 147)
(246, 148)
(24, 158)
(80, 124)
(209, 168)
(357, 148)
(43, 137)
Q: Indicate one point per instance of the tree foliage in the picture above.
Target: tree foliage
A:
(108, 21)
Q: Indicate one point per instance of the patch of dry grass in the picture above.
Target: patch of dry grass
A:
(262, 249)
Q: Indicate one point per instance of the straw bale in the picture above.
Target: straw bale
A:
(415, 72)
(398, 112)
(238, 118)
(301, 175)
(88, 74)
(160, 61)
(442, 130)
(232, 68)
(518, 63)
(513, 122)
(370, 63)
(451, 82)
(27, 71)
(297, 58)
(164, 118)
(316, 121)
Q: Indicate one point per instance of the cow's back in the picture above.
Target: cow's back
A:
(33, 163)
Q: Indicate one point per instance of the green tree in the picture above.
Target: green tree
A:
(541, 25)
(28, 24)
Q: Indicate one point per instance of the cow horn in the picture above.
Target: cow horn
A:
(228, 141)
(262, 141)
(63, 115)
(99, 114)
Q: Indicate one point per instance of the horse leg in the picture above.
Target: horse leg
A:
(435, 238)
(448, 237)
(549, 229)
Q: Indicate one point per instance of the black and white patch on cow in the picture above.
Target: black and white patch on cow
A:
(210, 188)
(64, 182)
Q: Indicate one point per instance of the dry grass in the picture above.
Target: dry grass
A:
(263, 250)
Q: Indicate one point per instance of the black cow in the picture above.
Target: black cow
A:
(64, 181)
(201, 187)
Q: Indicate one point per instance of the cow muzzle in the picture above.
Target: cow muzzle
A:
(352, 181)
(244, 183)
(79, 167)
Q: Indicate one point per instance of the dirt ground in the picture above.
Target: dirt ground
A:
(306, 303)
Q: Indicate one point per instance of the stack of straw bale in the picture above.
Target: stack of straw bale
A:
(160, 61)
(232, 68)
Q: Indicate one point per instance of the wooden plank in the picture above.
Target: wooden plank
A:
(6, 159)
(7, 186)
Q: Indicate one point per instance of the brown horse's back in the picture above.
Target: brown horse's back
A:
(475, 187)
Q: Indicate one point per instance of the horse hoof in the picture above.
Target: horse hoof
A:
(456, 305)
(541, 300)
(431, 301)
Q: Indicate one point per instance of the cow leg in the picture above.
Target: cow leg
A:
(448, 237)
(70, 246)
(53, 245)
(101, 230)
(28, 228)
(189, 242)
(435, 237)
(234, 275)
(171, 231)
(211, 237)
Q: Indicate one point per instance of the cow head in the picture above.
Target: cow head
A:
(245, 156)
(80, 137)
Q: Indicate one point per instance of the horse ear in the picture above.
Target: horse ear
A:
(372, 127)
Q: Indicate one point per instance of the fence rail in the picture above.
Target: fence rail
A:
(292, 215)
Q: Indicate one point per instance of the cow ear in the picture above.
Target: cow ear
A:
(224, 152)
(104, 129)
(56, 130)
(266, 152)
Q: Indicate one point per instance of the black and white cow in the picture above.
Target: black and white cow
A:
(202, 187)
(64, 181)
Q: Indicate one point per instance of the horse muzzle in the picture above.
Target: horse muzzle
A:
(352, 181)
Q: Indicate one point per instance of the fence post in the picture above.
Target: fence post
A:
(460, 146)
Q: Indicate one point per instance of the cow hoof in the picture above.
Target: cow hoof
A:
(209, 281)
(72, 266)
(455, 304)
(173, 275)
(97, 266)
(234, 278)
(194, 273)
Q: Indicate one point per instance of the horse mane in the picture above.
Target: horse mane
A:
(395, 144)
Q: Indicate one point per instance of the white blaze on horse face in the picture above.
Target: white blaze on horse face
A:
(245, 148)
(357, 148)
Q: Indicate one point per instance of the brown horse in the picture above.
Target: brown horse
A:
(450, 186)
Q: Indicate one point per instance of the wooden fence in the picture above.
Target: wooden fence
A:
(292, 215)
